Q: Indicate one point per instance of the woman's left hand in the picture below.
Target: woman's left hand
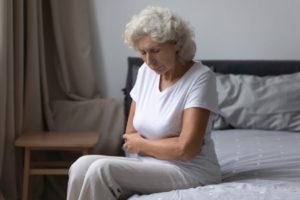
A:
(132, 142)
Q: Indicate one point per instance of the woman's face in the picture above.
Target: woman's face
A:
(160, 57)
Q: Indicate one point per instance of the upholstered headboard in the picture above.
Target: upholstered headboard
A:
(251, 67)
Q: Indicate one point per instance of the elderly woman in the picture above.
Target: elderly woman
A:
(167, 139)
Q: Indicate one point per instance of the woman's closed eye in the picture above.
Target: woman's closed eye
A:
(150, 51)
(154, 50)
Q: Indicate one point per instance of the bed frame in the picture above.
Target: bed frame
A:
(251, 67)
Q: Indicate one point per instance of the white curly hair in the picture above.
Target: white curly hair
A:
(162, 26)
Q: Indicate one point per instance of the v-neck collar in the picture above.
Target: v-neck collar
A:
(169, 88)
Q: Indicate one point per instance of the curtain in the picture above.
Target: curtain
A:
(10, 100)
(47, 81)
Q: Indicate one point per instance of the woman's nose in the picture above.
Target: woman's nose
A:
(149, 59)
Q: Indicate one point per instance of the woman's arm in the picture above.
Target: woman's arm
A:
(184, 147)
(129, 126)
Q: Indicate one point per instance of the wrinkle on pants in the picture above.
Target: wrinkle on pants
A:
(110, 178)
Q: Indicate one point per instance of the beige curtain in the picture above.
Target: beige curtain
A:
(47, 81)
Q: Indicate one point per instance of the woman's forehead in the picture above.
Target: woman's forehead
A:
(146, 43)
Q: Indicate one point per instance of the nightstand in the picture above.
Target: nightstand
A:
(81, 142)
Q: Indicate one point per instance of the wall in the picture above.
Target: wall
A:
(228, 29)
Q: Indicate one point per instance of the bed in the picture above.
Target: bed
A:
(256, 134)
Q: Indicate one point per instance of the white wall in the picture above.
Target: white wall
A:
(224, 29)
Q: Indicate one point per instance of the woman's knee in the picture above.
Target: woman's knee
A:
(81, 165)
(103, 167)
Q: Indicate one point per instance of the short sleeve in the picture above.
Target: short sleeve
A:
(135, 91)
(203, 93)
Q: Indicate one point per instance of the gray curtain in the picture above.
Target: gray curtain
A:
(47, 81)
(11, 99)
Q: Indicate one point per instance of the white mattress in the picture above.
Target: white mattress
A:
(260, 165)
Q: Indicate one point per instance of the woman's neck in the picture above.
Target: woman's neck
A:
(177, 72)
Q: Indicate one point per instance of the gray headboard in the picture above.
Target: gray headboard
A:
(253, 67)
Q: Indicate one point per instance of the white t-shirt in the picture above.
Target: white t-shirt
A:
(159, 114)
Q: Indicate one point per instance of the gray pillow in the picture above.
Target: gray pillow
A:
(253, 102)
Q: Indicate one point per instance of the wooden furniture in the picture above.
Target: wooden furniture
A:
(58, 141)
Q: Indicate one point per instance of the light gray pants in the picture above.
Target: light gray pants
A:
(110, 178)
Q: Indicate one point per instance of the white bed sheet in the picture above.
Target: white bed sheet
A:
(249, 154)
(255, 164)
(259, 190)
